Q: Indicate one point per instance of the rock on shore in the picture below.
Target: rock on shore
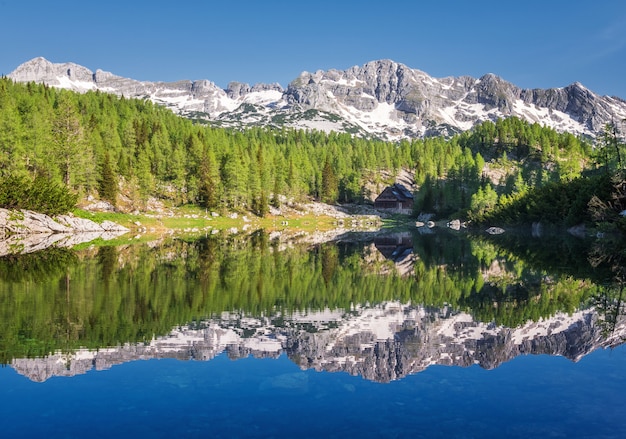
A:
(25, 231)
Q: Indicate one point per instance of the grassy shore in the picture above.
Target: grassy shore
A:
(192, 219)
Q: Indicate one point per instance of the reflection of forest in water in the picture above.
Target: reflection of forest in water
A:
(381, 307)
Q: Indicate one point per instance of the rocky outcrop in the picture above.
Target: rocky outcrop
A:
(493, 92)
(238, 90)
(26, 222)
(24, 231)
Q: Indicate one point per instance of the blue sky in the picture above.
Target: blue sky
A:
(533, 44)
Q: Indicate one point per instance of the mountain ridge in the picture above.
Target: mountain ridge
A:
(382, 98)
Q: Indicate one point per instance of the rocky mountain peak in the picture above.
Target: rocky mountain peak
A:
(237, 89)
(40, 70)
(495, 93)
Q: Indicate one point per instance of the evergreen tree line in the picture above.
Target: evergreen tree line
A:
(92, 142)
(97, 143)
(496, 163)
(576, 185)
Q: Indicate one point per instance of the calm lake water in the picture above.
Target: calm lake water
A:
(398, 335)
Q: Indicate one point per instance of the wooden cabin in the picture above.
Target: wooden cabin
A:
(395, 197)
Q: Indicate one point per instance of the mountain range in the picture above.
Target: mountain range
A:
(381, 99)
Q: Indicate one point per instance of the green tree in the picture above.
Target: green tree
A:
(278, 183)
(208, 191)
(69, 151)
(612, 147)
(483, 200)
(11, 134)
(330, 185)
(107, 185)
(234, 180)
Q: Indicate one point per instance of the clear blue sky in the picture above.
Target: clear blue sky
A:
(534, 44)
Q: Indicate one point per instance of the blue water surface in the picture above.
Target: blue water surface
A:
(531, 396)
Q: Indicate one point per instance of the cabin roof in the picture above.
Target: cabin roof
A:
(400, 192)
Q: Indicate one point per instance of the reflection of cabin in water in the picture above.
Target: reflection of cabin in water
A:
(395, 197)
(396, 247)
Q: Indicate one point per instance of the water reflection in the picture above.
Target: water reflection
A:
(380, 343)
(398, 248)
(381, 307)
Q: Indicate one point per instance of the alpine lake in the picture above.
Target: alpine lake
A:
(403, 333)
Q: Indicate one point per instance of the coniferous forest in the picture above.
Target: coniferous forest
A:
(57, 147)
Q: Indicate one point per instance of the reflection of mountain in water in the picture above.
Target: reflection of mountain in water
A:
(479, 304)
(381, 343)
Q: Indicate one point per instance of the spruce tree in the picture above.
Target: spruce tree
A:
(330, 185)
(69, 152)
(278, 183)
(208, 190)
(263, 207)
(107, 186)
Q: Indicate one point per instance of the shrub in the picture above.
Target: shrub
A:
(41, 195)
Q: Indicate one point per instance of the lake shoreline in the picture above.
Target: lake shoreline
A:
(25, 231)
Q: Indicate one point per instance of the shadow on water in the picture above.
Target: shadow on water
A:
(405, 296)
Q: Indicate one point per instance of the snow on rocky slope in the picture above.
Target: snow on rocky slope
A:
(382, 98)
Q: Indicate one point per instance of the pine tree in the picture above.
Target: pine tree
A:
(69, 153)
(330, 185)
(278, 183)
(262, 200)
(263, 207)
(11, 134)
(107, 186)
(208, 190)
(142, 173)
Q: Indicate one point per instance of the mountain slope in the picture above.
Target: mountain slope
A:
(381, 98)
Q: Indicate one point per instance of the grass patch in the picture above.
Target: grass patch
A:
(196, 219)
(100, 217)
